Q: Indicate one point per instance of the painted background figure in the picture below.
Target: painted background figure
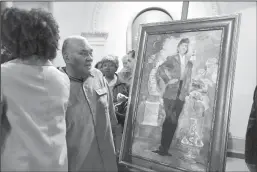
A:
(175, 73)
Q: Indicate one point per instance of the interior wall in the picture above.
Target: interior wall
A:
(110, 21)
(113, 17)
(110, 17)
(245, 74)
(73, 19)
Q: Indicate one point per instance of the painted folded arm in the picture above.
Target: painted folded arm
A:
(163, 79)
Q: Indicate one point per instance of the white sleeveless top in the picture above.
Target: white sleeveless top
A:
(37, 98)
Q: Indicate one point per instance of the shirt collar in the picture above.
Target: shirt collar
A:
(91, 74)
(27, 62)
(182, 57)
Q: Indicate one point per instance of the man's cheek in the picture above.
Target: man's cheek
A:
(79, 62)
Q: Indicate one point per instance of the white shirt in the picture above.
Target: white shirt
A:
(183, 65)
(113, 82)
(37, 98)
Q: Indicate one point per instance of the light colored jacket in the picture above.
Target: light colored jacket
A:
(37, 99)
(90, 118)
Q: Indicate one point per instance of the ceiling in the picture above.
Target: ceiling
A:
(230, 7)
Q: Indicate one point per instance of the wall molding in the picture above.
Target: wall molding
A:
(236, 147)
(97, 8)
(129, 39)
(96, 38)
(95, 34)
(215, 8)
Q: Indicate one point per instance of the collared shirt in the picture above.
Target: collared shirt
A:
(37, 98)
(174, 65)
(183, 65)
(113, 82)
(90, 118)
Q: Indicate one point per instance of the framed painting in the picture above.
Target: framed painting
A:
(180, 100)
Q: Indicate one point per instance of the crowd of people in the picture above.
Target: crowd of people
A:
(119, 83)
(60, 118)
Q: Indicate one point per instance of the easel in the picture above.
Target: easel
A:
(184, 10)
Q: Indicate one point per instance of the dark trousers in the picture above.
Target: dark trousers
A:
(173, 109)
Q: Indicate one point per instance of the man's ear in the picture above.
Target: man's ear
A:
(66, 57)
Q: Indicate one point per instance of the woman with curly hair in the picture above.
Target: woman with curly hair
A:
(120, 90)
(36, 93)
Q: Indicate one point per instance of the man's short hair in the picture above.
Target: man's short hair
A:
(64, 46)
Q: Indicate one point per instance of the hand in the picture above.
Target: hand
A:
(121, 97)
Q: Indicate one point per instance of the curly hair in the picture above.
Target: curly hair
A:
(26, 33)
(111, 58)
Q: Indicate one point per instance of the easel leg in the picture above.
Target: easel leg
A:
(185, 10)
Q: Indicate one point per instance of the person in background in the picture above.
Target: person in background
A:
(36, 93)
(120, 90)
(126, 72)
(90, 116)
(99, 65)
(251, 137)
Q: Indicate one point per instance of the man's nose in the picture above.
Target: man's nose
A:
(89, 58)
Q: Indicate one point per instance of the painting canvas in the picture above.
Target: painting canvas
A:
(180, 100)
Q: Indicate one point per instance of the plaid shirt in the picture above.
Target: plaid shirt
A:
(251, 134)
